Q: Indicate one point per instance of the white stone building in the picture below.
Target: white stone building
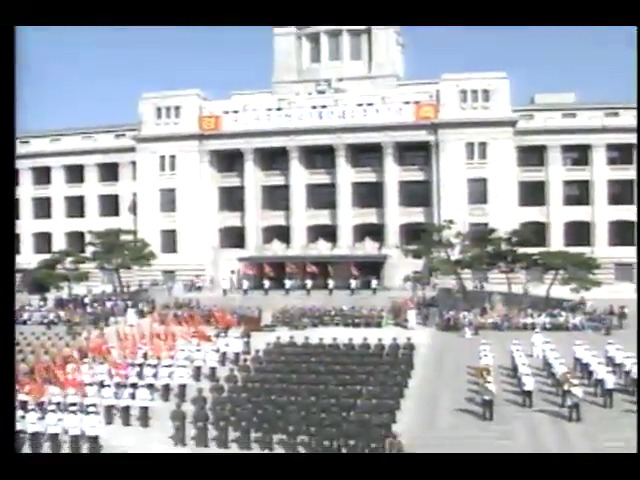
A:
(340, 162)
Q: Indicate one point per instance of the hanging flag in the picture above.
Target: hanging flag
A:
(267, 270)
(247, 269)
(311, 269)
(133, 205)
(330, 270)
(291, 268)
(354, 270)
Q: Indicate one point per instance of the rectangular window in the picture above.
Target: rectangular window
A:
(42, 244)
(486, 95)
(108, 172)
(176, 112)
(482, 150)
(158, 113)
(470, 148)
(168, 200)
(334, 39)
(464, 96)
(477, 191)
(41, 176)
(532, 194)
(167, 164)
(17, 243)
(621, 192)
(168, 241)
(355, 46)
(41, 208)
(167, 113)
(474, 96)
(108, 205)
(313, 40)
(74, 174)
(576, 193)
(74, 206)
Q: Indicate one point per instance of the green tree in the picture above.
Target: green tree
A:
(449, 252)
(577, 270)
(505, 255)
(61, 269)
(116, 250)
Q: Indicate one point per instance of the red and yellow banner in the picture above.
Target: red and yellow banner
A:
(210, 123)
(426, 111)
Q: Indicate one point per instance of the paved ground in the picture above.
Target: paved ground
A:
(440, 414)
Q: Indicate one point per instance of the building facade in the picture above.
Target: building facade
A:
(339, 163)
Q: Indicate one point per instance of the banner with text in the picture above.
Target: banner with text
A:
(299, 118)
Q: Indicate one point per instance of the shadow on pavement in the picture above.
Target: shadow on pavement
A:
(472, 413)
(513, 401)
(552, 413)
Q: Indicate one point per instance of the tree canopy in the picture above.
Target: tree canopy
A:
(61, 269)
(115, 250)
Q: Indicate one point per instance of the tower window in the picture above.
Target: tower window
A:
(313, 41)
(334, 39)
(355, 46)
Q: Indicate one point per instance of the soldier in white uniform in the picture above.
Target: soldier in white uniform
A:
(108, 403)
(92, 428)
(143, 400)
(536, 344)
(527, 384)
(21, 428)
(308, 285)
(101, 373)
(125, 402)
(488, 392)
(54, 422)
(211, 362)
(574, 398)
(55, 397)
(245, 286)
(181, 375)
(225, 284)
(164, 379)
(73, 426)
(353, 285)
(331, 285)
(609, 384)
(286, 284)
(149, 374)
(91, 390)
(197, 361)
(35, 429)
(373, 284)
(266, 285)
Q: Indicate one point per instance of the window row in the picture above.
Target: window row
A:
(323, 196)
(475, 96)
(535, 156)
(74, 207)
(336, 42)
(476, 151)
(75, 174)
(577, 193)
(621, 233)
(77, 242)
(323, 158)
(168, 112)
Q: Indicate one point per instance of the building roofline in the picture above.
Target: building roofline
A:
(78, 131)
(575, 106)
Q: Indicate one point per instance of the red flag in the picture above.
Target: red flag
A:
(311, 269)
(268, 270)
(291, 268)
(354, 270)
(247, 269)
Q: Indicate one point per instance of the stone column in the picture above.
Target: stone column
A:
(344, 198)
(555, 176)
(391, 196)
(297, 200)
(599, 196)
(251, 201)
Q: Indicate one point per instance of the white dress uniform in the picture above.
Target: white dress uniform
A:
(374, 284)
(266, 284)
(331, 284)
(287, 285)
(609, 385)
(245, 285)
(353, 284)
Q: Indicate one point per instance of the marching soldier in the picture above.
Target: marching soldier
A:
(108, 402)
(35, 429)
(181, 376)
(200, 422)
(244, 283)
(266, 285)
(574, 398)
(198, 364)
(92, 427)
(211, 361)
(125, 405)
(225, 284)
(287, 285)
(179, 420)
(330, 285)
(199, 400)
(353, 284)
(609, 384)
(53, 421)
(373, 284)
(527, 384)
(308, 285)
(73, 426)
(488, 393)
(164, 379)
(143, 402)
(20, 431)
